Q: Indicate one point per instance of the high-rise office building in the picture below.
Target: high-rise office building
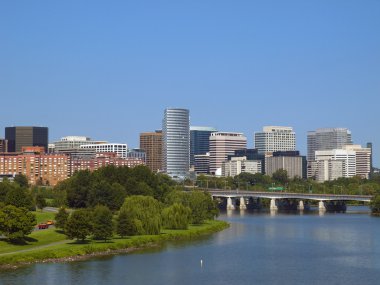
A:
(369, 145)
(19, 137)
(199, 141)
(223, 144)
(327, 139)
(348, 157)
(291, 161)
(363, 160)
(274, 138)
(202, 163)
(250, 154)
(176, 142)
(151, 143)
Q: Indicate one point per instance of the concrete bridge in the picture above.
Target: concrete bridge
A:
(231, 195)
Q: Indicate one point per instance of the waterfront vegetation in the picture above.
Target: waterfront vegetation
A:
(124, 208)
(110, 209)
(62, 249)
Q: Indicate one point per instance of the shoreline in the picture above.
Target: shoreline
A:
(77, 252)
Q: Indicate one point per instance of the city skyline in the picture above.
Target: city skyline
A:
(307, 65)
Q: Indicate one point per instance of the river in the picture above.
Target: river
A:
(256, 249)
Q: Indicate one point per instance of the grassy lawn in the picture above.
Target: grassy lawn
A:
(36, 238)
(43, 216)
(72, 248)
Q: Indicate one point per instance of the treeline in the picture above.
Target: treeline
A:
(127, 202)
(109, 186)
(261, 182)
(138, 215)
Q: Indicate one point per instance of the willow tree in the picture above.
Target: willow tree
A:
(144, 214)
(176, 217)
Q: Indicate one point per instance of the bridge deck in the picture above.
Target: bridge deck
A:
(286, 195)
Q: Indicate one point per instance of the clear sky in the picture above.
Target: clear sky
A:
(108, 69)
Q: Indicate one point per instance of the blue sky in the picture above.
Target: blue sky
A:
(108, 69)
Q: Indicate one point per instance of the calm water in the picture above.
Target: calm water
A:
(256, 249)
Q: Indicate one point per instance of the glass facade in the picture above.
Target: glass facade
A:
(176, 142)
(327, 139)
(199, 141)
(19, 137)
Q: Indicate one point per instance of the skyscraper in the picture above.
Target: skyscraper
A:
(19, 137)
(327, 139)
(369, 145)
(199, 141)
(151, 143)
(274, 138)
(223, 144)
(176, 142)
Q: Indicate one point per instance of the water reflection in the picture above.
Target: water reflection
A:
(258, 248)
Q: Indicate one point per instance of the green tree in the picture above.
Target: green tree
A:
(281, 176)
(19, 197)
(202, 207)
(144, 213)
(176, 217)
(77, 189)
(16, 223)
(103, 193)
(79, 225)
(375, 205)
(124, 225)
(61, 218)
(40, 201)
(102, 223)
(4, 188)
(21, 180)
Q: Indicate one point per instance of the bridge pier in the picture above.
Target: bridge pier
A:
(230, 205)
(321, 206)
(273, 205)
(243, 206)
(301, 205)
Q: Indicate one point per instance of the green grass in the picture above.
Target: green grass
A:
(43, 216)
(72, 249)
(35, 239)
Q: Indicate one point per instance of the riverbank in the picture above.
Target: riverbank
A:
(68, 250)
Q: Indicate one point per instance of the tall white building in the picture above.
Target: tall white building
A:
(326, 170)
(223, 144)
(238, 165)
(327, 139)
(348, 157)
(176, 142)
(274, 138)
(120, 149)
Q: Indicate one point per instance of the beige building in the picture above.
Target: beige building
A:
(223, 144)
(275, 138)
(151, 143)
(238, 165)
(294, 165)
(363, 160)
